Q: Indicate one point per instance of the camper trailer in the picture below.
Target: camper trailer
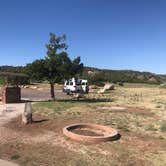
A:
(75, 86)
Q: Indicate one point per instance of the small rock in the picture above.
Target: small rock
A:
(109, 86)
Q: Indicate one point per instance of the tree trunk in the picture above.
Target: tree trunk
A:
(52, 91)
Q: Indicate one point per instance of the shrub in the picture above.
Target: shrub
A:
(163, 85)
(163, 126)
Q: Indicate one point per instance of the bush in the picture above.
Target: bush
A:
(120, 84)
(163, 85)
(97, 79)
(152, 127)
(2, 81)
(163, 126)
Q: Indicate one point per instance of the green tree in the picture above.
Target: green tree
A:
(56, 66)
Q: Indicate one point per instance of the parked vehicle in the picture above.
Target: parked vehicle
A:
(75, 86)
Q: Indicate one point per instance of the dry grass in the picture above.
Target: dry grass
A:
(136, 111)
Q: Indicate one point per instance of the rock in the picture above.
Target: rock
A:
(27, 114)
(108, 86)
(34, 87)
(90, 72)
(26, 86)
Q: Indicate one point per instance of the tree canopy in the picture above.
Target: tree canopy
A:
(57, 65)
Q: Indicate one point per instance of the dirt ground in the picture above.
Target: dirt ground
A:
(138, 112)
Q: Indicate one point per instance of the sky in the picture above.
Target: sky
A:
(109, 34)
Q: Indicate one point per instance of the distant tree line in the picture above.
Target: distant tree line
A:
(99, 77)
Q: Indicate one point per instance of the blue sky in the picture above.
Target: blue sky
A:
(112, 34)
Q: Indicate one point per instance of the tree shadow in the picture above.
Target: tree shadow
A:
(116, 137)
(40, 121)
(92, 100)
(28, 100)
(112, 139)
(81, 100)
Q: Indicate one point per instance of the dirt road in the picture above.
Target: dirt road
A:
(38, 95)
(7, 163)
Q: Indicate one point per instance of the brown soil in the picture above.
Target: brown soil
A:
(143, 142)
(40, 124)
(44, 137)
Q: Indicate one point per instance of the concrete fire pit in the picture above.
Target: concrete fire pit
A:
(92, 133)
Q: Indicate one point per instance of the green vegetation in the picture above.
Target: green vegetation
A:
(163, 85)
(98, 76)
(94, 75)
(56, 106)
(17, 69)
(163, 126)
(15, 157)
(2, 81)
(57, 66)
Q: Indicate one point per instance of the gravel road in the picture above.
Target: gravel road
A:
(38, 95)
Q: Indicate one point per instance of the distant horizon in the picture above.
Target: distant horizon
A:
(99, 69)
(114, 34)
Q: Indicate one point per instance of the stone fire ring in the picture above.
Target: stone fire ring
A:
(110, 133)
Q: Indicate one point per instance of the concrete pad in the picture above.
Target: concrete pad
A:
(10, 111)
(7, 163)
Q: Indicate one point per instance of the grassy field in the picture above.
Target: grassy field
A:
(137, 111)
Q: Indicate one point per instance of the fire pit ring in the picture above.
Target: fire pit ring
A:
(110, 134)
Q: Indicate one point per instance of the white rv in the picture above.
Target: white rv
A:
(75, 86)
